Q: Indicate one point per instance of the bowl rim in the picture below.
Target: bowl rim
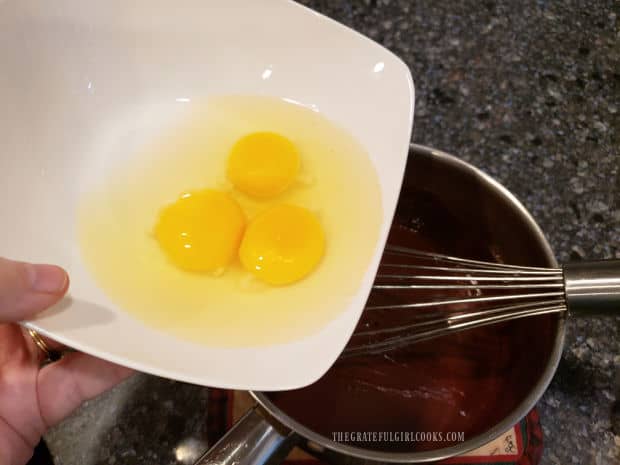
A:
(495, 431)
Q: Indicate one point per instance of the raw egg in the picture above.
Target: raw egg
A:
(283, 244)
(294, 252)
(201, 231)
(263, 164)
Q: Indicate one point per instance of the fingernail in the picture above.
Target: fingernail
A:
(48, 279)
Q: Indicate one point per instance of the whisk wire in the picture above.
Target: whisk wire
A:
(468, 286)
(470, 278)
(418, 336)
(468, 300)
(439, 317)
(395, 249)
(496, 293)
(510, 272)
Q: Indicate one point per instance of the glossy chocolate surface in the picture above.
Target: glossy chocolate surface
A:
(466, 382)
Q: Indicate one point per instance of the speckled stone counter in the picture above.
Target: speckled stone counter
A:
(527, 90)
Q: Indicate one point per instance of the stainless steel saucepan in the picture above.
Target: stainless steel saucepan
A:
(267, 433)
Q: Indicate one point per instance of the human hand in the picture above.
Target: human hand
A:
(34, 397)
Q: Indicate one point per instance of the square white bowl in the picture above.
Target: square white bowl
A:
(76, 76)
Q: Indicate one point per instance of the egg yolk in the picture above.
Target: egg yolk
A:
(263, 164)
(282, 245)
(201, 231)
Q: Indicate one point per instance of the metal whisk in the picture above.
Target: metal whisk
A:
(421, 295)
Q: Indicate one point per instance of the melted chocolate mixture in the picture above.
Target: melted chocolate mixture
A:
(464, 382)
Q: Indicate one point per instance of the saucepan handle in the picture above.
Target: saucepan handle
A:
(253, 440)
(592, 288)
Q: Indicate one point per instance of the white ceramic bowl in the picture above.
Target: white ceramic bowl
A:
(76, 75)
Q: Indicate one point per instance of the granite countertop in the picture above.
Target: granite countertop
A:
(529, 92)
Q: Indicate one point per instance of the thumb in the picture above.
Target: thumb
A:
(26, 289)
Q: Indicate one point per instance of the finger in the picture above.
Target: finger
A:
(26, 289)
(64, 385)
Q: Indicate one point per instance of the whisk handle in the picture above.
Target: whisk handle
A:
(592, 288)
